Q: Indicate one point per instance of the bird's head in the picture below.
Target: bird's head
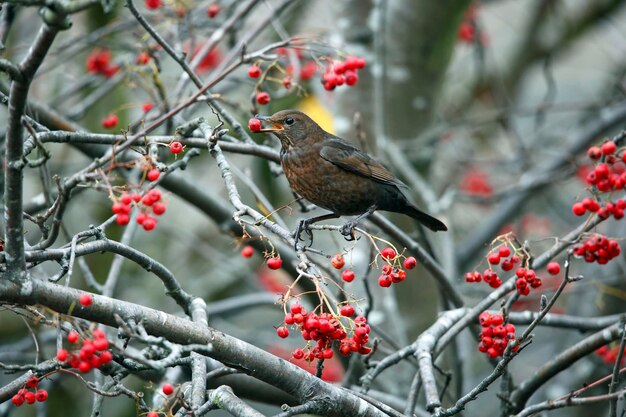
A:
(292, 127)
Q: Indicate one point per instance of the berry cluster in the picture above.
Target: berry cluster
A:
(609, 354)
(526, 279)
(150, 201)
(502, 257)
(99, 62)
(324, 329)
(92, 353)
(24, 395)
(598, 248)
(494, 335)
(608, 175)
(392, 271)
(489, 275)
(339, 73)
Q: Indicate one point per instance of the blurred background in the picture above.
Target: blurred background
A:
(485, 109)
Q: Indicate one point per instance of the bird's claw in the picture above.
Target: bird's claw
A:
(347, 230)
(303, 226)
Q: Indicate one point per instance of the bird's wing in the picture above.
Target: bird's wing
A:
(351, 158)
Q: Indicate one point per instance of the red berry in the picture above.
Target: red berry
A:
(274, 263)
(337, 261)
(554, 268)
(254, 71)
(101, 344)
(328, 353)
(17, 400)
(263, 98)
(110, 121)
(106, 357)
(85, 300)
(62, 355)
(347, 275)
(247, 251)
(29, 397)
(388, 253)
(72, 337)
(141, 217)
(484, 319)
(84, 366)
(122, 219)
(176, 147)
(410, 262)
(254, 124)
(298, 354)
(213, 10)
(594, 152)
(578, 209)
(507, 265)
(153, 174)
(504, 251)
(287, 82)
(147, 107)
(149, 223)
(347, 310)
(493, 259)
(168, 389)
(609, 148)
(159, 208)
(296, 308)
(282, 332)
(153, 4)
(142, 58)
(497, 319)
(41, 395)
(351, 78)
(32, 382)
(384, 281)
(152, 414)
(520, 272)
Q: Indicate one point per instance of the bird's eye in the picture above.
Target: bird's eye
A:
(289, 121)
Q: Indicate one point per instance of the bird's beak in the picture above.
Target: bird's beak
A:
(275, 126)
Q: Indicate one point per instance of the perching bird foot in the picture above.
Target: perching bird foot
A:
(347, 230)
(303, 226)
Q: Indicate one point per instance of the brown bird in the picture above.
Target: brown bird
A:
(335, 175)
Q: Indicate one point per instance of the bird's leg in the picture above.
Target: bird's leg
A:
(304, 225)
(347, 230)
(303, 207)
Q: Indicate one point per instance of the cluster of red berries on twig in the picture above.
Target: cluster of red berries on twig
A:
(99, 62)
(150, 202)
(526, 279)
(494, 335)
(336, 73)
(607, 176)
(91, 354)
(345, 72)
(25, 395)
(392, 270)
(598, 248)
(324, 329)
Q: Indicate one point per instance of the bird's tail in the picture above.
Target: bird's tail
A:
(427, 220)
